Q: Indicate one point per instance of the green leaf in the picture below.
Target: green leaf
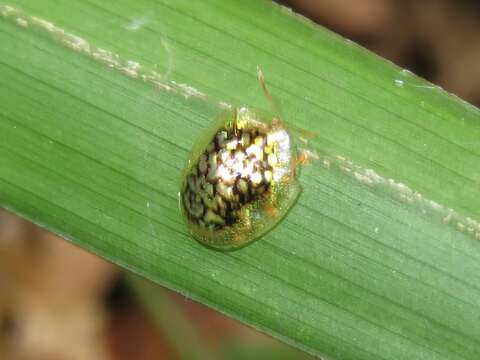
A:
(100, 103)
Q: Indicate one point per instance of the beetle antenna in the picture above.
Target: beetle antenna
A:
(263, 84)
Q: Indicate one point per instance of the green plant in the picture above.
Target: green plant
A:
(101, 101)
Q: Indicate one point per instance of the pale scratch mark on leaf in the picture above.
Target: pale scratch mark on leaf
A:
(129, 67)
(403, 193)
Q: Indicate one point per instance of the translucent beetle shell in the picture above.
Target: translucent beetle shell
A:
(240, 180)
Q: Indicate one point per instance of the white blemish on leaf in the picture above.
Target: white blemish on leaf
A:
(224, 105)
(188, 90)
(363, 178)
(402, 83)
(22, 22)
(7, 10)
(448, 217)
(131, 69)
(137, 23)
(427, 87)
(47, 25)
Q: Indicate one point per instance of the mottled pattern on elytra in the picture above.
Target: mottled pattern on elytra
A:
(235, 169)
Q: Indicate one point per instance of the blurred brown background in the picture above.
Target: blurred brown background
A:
(59, 302)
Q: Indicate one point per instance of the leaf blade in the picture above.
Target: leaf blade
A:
(95, 156)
